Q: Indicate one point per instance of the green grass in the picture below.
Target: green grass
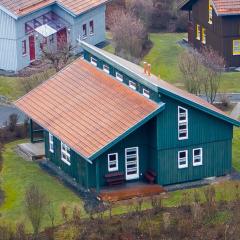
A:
(164, 60)
(17, 174)
(236, 149)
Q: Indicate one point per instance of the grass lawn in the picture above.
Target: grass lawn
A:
(17, 174)
(164, 60)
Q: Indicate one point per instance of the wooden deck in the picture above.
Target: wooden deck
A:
(129, 191)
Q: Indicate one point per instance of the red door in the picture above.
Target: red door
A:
(61, 38)
(32, 48)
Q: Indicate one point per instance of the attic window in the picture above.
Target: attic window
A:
(93, 61)
(106, 68)
(132, 85)
(119, 76)
(182, 123)
(146, 93)
(210, 12)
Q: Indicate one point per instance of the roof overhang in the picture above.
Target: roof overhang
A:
(186, 5)
(129, 131)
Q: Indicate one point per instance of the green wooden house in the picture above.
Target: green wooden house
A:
(104, 115)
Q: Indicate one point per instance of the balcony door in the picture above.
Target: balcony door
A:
(132, 163)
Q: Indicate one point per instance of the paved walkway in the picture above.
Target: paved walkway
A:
(236, 111)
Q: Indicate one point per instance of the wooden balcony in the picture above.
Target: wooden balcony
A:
(128, 191)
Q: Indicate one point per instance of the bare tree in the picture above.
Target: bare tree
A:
(58, 55)
(213, 68)
(12, 122)
(190, 66)
(35, 205)
(129, 34)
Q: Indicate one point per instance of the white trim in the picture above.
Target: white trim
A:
(136, 162)
(132, 85)
(200, 156)
(93, 61)
(113, 169)
(65, 155)
(181, 166)
(146, 93)
(51, 143)
(119, 76)
(182, 123)
(106, 68)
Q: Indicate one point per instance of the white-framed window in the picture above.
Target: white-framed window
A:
(182, 159)
(197, 157)
(106, 68)
(204, 36)
(24, 47)
(182, 123)
(236, 47)
(65, 154)
(51, 145)
(91, 26)
(119, 76)
(93, 61)
(210, 12)
(132, 85)
(146, 93)
(84, 31)
(132, 163)
(113, 162)
(198, 32)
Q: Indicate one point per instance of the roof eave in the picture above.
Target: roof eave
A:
(8, 12)
(200, 107)
(129, 131)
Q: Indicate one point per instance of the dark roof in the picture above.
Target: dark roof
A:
(23, 7)
(221, 7)
(86, 108)
(160, 85)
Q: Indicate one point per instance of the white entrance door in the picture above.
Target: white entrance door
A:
(132, 163)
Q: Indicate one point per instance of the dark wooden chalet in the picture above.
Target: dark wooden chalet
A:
(215, 23)
(107, 121)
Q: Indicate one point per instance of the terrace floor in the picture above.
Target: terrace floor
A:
(129, 190)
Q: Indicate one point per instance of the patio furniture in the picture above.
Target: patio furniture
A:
(115, 178)
(150, 176)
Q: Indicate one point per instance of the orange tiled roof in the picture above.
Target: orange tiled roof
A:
(222, 7)
(85, 108)
(22, 7)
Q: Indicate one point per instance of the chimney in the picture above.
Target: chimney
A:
(149, 69)
(145, 67)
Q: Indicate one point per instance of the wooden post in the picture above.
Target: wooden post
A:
(31, 131)
(97, 177)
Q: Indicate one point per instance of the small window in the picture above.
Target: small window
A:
(65, 153)
(198, 32)
(119, 76)
(84, 30)
(236, 47)
(24, 47)
(93, 61)
(182, 123)
(197, 157)
(183, 159)
(112, 162)
(203, 35)
(146, 93)
(91, 25)
(106, 68)
(51, 145)
(210, 12)
(132, 85)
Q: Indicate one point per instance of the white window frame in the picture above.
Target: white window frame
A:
(204, 35)
(51, 143)
(181, 166)
(113, 169)
(93, 61)
(119, 76)
(195, 164)
(181, 122)
(236, 47)
(91, 32)
(65, 154)
(210, 12)
(146, 93)
(106, 68)
(198, 32)
(84, 36)
(132, 85)
(136, 175)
